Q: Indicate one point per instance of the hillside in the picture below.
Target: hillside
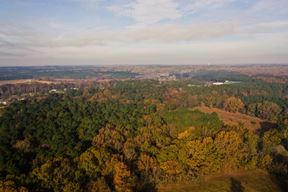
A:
(249, 181)
(234, 119)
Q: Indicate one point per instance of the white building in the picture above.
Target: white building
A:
(217, 83)
(3, 102)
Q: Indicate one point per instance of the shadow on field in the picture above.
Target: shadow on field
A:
(281, 180)
(236, 185)
(266, 126)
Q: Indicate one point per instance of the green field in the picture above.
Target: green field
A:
(183, 119)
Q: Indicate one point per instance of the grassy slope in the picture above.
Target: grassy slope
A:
(249, 122)
(183, 119)
(248, 181)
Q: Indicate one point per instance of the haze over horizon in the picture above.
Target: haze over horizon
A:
(168, 32)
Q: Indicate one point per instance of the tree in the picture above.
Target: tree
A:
(123, 181)
(171, 169)
(149, 172)
(99, 185)
(213, 99)
(9, 186)
(233, 104)
(252, 109)
(268, 110)
(270, 140)
(110, 138)
(231, 148)
(147, 165)
(200, 156)
(129, 149)
(168, 153)
(57, 174)
(92, 160)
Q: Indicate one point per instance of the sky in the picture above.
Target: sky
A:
(135, 32)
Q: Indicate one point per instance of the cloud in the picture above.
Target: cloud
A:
(194, 5)
(12, 36)
(148, 11)
(167, 34)
(265, 27)
(151, 11)
(171, 33)
(260, 50)
(163, 30)
(164, 34)
(6, 54)
(90, 3)
(279, 6)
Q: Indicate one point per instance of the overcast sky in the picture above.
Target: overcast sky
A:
(101, 32)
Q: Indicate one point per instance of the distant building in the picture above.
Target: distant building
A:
(3, 102)
(166, 77)
(192, 85)
(217, 83)
(226, 82)
(53, 91)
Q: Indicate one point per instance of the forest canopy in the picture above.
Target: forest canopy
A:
(135, 135)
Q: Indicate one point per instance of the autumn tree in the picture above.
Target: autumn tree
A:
(130, 149)
(123, 181)
(171, 169)
(92, 161)
(233, 104)
(155, 135)
(268, 110)
(147, 165)
(58, 174)
(231, 148)
(100, 185)
(9, 186)
(109, 137)
(213, 99)
(200, 156)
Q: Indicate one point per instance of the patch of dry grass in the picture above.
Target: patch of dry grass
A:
(247, 181)
(234, 119)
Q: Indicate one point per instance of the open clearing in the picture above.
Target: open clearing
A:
(234, 119)
(247, 181)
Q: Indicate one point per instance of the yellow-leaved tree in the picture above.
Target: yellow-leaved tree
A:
(123, 180)
(233, 104)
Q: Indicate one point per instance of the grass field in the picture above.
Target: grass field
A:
(184, 119)
(252, 123)
(248, 181)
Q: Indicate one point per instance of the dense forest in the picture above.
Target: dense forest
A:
(134, 135)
